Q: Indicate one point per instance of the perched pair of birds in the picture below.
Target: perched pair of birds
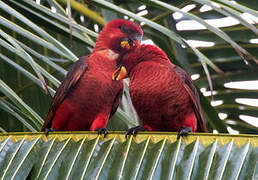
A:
(162, 93)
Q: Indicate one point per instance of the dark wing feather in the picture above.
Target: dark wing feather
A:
(189, 86)
(116, 102)
(72, 78)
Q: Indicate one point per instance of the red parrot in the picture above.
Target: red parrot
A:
(162, 93)
(88, 97)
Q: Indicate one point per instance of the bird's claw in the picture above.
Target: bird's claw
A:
(184, 132)
(103, 131)
(47, 130)
(134, 130)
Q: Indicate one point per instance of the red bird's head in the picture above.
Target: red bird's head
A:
(119, 36)
(135, 56)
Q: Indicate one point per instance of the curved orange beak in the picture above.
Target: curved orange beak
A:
(119, 73)
(127, 44)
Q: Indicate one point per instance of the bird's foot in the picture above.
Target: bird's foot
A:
(134, 130)
(47, 130)
(103, 131)
(184, 132)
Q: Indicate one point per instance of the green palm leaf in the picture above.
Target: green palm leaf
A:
(86, 155)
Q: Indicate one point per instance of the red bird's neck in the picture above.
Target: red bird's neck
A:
(99, 46)
(151, 52)
(142, 54)
(107, 54)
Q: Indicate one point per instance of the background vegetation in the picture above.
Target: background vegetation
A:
(39, 40)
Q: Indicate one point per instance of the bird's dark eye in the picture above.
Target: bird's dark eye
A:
(125, 30)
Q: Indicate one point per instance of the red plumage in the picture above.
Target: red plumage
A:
(162, 93)
(88, 97)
